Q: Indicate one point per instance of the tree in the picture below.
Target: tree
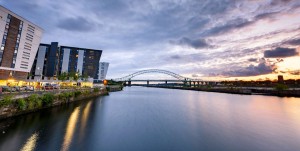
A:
(85, 77)
(63, 76)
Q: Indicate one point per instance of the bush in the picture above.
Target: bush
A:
(47, 99)
(281, 87)
(7, 100)
(66, 95)
(96, 89)
(77, 93)
(34, 101)
(86, 92)
(21, 104)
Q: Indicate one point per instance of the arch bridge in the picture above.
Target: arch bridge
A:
(128, 79)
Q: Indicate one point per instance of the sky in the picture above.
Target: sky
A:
(200, 39)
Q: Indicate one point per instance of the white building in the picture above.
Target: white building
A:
(19, 44)
(103, 67)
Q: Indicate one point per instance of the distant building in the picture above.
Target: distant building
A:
(53, 60)
(19, 45)
(280, 79)
(103, 67)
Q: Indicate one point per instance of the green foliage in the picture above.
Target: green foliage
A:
(7, 100)
(47, 99)
(86, 92)
(34, 101)
(74, 75)
(96, 89)
(63, 76)
(112, 82)
(77, 93)
(21, 104)
(66, 95)
(281, 87)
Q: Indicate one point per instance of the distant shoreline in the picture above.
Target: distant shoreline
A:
(239, 90)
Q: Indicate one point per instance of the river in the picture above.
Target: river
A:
(155, 119)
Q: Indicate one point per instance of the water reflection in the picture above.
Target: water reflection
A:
(161, 119)
(71, 126)
(30, 143)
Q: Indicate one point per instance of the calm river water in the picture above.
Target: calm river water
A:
(142, 119)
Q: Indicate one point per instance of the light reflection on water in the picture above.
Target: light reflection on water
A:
(70, 129)
(30, 143)
(161, 119)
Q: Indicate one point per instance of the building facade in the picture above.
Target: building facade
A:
(52, 60)
(19, 45)
(103, 67)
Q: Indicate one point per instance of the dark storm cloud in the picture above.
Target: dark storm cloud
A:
(196, 43)
(251, 70)
(280, 53)
(76, 24)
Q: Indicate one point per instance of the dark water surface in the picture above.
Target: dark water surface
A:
(141, 119)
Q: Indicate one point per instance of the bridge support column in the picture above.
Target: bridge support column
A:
(194, 84)
(190, 83)
(147, 83)
(198, 83)
(129, 83)
(166, 82)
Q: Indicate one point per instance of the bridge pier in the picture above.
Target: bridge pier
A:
(194, 84)
(166, 82)
(147, 83)
(129, 83)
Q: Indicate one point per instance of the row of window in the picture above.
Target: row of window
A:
(4, 36)
(17, 45)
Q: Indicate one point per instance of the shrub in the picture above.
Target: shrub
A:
(281, 87)
(66, 95)
(47, 99)
(34, 101)
(85, 92)
(21, 104)
(77, 93)
(96, 89)
(7, 100)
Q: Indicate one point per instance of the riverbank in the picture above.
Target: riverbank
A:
(11, 106)
(238, 90)
(114, 88)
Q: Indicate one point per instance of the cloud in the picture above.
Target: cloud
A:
(252, 70)
(280, 53)
(143, 29)
(252, 60)
(79, 24)
(197, 43)
(294, 72)
(295, 42)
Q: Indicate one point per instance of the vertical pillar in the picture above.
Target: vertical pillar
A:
(147, 83)
(129, 83)
(166, 82)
